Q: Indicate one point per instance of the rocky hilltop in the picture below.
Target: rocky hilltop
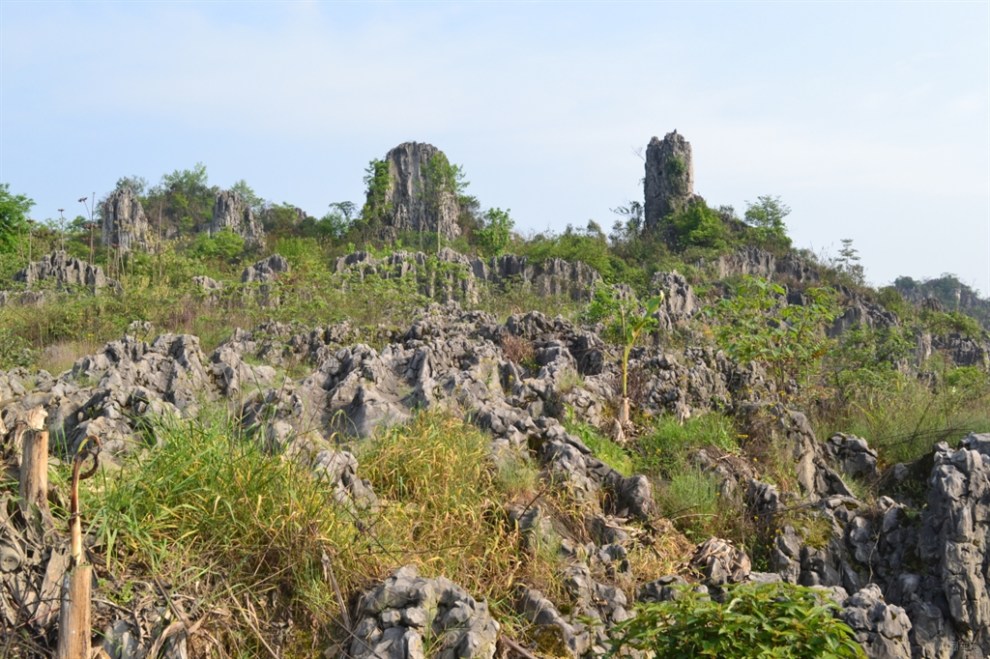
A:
(908, 575)
(351, 448)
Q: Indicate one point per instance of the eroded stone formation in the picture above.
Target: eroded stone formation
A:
(125, 226)
(232, 212)
(413, 203)
(669, 182)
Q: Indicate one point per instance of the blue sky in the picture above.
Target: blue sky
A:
(871, 120)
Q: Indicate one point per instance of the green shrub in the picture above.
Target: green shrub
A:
(697, 226)
(772, 620)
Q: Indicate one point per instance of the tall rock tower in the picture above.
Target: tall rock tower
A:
(125, 226)
(416, 200)
(669, 184)
(232, 212)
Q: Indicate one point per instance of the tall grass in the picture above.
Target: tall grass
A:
(208, 511)
(904, 417)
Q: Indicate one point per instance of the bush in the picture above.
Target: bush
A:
(770, 620)
(697, 226)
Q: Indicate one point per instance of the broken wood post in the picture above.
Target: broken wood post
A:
(34, 474)
(74, 617)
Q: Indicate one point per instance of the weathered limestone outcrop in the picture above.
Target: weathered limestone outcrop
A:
(263, 275)
(450, 275)
(231, 212)
(395, 618)
(125, 226)
(67, 271)
(414, 200)
(669, 182)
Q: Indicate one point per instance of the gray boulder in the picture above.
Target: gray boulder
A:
(882, 629)
(395, 619)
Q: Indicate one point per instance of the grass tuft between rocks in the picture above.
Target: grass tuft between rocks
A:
(257, 543)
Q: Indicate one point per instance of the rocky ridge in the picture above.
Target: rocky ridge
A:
(935, 604)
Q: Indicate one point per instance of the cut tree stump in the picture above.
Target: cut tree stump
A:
(34, 474)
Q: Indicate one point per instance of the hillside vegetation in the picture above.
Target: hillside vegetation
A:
(658, 450)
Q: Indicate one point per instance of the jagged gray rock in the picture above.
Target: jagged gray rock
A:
(263, 274)
(67, 271)
(882, 629)
(449, 275)
(679, 301)
(669, 182)
(394, 619)
(125, 226)
(233, 213)
(853, 455)
(413, 203)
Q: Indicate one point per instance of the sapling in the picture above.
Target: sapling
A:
(625, 321)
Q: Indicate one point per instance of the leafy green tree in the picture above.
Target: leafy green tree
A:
(184, 198)
(766, 216)
(248, 195)
(848, 262)
(625, 322)
(496, 233)
(758, 324)
(137, 184)
(14, 211)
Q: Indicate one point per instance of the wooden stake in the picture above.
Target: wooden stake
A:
(74, 618)
(74, 622)
(34, 473)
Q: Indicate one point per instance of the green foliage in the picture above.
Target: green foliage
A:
(13, 218)
(601, 446)
(224, 244)
(248, 195)
(848, 263)
(494, 236)
(15, 350)
(376, 206)
(757, 324)
(692, 501)
(903, 417)
(662, 449)
(769, 620)
(766, 216)
(697, 226)
(624, 320)
(184, 199)
(281, 220)
(587, 245)
(136, 184)
(951, 322)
